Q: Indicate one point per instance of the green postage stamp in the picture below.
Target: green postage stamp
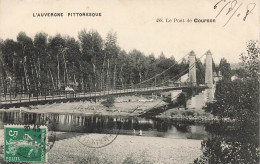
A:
(25, 143)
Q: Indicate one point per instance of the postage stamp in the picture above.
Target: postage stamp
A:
(25, 143)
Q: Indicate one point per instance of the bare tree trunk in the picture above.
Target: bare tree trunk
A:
(37, 75)
(52, 79)
(2, 73)
(33, 77)
(140, 77)
(82, 84)
(121, 76)
(75, 81)
(58, 73)
(38, 71)
(108, 76)
(27, 82)
(1, 78)
(91, 83)
(13, 76)
(114, 77)
(103, 73)
(74, 76)
(66, 80)
(94, 78)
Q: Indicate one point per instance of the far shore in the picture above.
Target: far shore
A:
(124, 106)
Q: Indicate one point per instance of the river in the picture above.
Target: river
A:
(225, 140)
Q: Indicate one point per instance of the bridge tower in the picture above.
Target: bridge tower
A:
(208, 72)
(192, 69)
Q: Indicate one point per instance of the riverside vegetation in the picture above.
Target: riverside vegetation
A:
(236, 142)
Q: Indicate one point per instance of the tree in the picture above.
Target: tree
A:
(109, 102)
(251, 60)
(41, 57)
(9, 57)
(230, 143)
(57, 47)
(151, 61)
(200, 72)
(239, 99)
(89, 63)
(92, 55)
(111, 53)
(73, 57)
(138, 66)
(123, 69)
(225, 69)
(26, 53)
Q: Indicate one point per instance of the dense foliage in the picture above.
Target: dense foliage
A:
(225, 69)
(87, 63)
(236, 100)
(109, 102)
(231, 143)
(239, 99)
(236, 142)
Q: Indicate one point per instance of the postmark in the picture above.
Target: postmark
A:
(51, 134)
(25, 143)
(106, 133)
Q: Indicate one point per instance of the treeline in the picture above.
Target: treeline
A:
(86, 63)
(89, 62)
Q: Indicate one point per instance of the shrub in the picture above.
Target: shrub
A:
(109, 102)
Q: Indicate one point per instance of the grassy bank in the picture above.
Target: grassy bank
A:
(125, 106)
(187, 114)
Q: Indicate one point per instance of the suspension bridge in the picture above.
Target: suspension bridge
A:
(21, 98)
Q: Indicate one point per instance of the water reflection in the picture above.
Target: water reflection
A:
(107, 124)
(199, 101)
(222, 142)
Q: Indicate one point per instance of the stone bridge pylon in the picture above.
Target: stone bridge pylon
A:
(208, 71)
(192, 69)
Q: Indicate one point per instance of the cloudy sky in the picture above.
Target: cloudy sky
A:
(136, 26)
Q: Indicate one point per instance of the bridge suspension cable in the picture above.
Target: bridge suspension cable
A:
(190, 67)
(82, 70)
(162, 71)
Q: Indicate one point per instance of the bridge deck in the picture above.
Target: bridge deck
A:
(63, 96)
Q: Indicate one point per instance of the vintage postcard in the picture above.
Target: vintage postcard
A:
(129, 81)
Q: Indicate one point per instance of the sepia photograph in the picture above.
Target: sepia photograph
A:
(129, 81)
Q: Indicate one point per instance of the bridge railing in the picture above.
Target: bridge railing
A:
(41, 94)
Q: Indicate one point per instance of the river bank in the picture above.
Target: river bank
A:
(126, 149)
(124, 106)
(143, 106)
(197, 115)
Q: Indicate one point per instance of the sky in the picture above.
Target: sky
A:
(135, 23)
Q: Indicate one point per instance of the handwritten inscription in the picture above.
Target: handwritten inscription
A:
(233, 8)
